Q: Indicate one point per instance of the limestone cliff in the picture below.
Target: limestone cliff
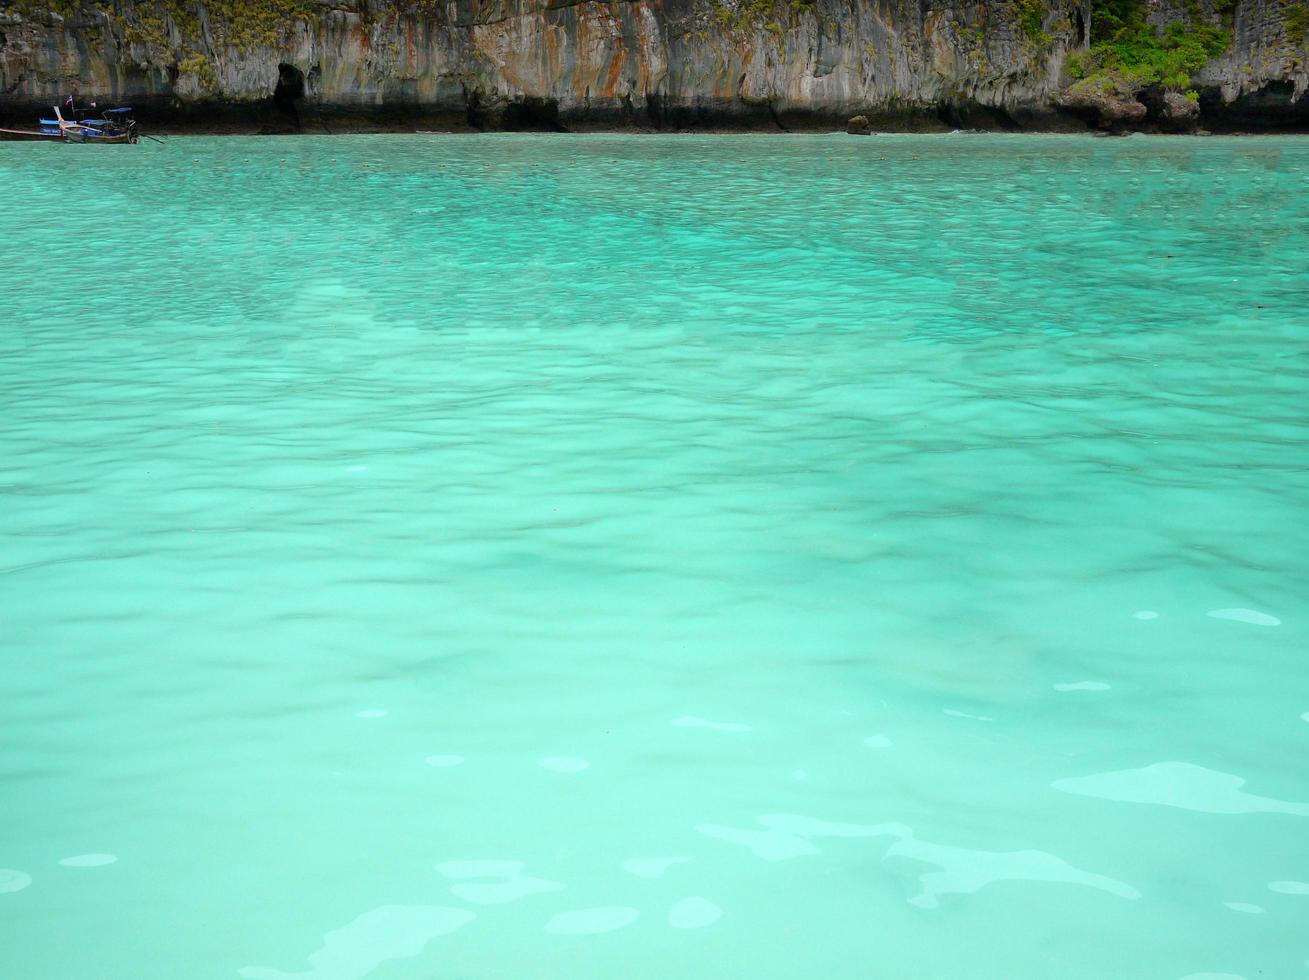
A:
(605, 63)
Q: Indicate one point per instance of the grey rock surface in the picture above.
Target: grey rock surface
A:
(549, 64)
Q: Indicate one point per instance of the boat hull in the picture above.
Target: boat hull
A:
(74, 135)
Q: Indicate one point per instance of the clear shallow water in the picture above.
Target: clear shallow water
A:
(596, 557)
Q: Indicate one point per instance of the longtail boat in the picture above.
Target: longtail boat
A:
(117, 126)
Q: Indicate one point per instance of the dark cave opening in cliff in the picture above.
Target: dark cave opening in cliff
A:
(1272, 107)
(532, 115)
(290, 89)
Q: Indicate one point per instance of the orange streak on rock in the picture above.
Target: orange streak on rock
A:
(615, 72)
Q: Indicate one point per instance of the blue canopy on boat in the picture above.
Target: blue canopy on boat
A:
(118, 110)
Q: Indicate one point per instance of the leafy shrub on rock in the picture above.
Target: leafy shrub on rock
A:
(1128, 55)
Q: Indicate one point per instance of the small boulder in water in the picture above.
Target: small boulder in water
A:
(859, 126)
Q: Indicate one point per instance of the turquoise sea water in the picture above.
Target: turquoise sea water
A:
(517, 557)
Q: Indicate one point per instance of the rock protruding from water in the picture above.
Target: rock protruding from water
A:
(859, 126)
(1109, 105)
(1180, 110)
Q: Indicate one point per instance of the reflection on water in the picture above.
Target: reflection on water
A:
(356, 950)
(1182, 785)
(624, 557)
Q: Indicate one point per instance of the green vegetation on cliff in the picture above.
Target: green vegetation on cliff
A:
(241, 24)
(1127, 54)
(189, 35)
(204, 28)
(1297, 23)
(1031, 18)
(744, 16)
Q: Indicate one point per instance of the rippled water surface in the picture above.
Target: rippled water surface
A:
(513, 557)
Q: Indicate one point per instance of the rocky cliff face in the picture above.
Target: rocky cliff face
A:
(604, 63)
(1263, 78)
